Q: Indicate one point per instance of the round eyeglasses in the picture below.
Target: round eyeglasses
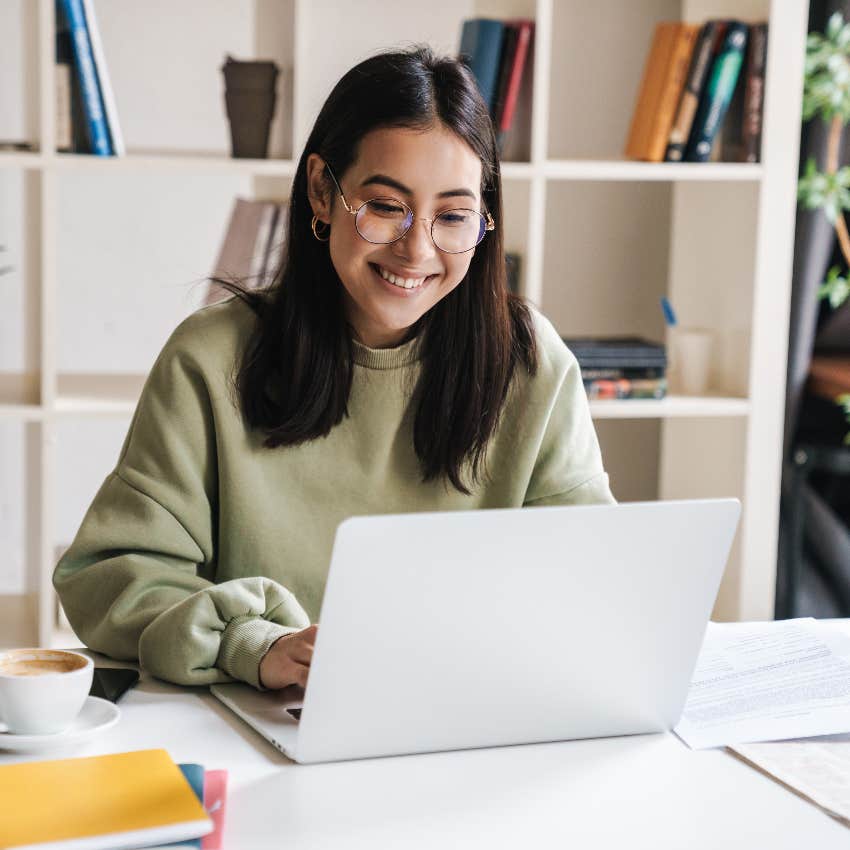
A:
(386, 220)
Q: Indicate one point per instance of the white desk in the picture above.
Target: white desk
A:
(647, 791)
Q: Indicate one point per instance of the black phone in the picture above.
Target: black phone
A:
(112, 682)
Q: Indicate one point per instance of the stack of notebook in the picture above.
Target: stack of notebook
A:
(132, 799)
(620, 367)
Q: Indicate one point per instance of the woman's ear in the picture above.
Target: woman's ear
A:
(317, 188)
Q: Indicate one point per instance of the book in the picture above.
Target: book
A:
(660, 91)
(194, 775)
(481, 49)
(715, 99)
(506, 58)
(628, 372)
(617, 352)
(703, 52)
(625, 388)
(63, 82)
(65, 69)
(252, 245)
(754, 92)
(132, 799)
(215, 802)
(116, 137)
(515, 58)
(96, 126)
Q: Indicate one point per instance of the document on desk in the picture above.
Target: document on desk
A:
(817, 769)
(767, 682)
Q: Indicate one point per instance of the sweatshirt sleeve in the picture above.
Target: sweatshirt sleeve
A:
(568, 469)
(138, 580)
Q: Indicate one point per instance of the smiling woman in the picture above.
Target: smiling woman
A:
(386, 370)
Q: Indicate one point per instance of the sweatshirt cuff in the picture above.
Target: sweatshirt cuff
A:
(244, 642)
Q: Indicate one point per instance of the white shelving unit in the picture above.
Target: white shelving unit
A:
(601, 240)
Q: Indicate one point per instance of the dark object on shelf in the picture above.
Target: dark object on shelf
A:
(694, 85)
(741, 132)
(250, 97)
(515, 54)
(718, 92)
(617, 352)
(481, 50)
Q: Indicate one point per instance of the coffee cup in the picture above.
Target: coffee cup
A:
(42, 690)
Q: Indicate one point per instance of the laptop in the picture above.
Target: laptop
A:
(457, 630)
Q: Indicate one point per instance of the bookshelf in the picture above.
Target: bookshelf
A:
(111, 253)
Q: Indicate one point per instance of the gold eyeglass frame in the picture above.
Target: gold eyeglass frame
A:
(489, 224)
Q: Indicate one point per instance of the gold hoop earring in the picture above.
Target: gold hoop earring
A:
(325, 234)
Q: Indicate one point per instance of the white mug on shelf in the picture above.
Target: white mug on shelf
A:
(42, 690)
(690, 360)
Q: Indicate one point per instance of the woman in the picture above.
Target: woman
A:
(387, 370)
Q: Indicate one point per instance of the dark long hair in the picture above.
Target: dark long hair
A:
(296, 372)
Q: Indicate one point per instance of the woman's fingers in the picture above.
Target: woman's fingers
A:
(288, 660)
(301, 652)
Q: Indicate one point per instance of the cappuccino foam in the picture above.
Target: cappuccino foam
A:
(39, 666)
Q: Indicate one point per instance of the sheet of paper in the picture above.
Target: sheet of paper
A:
(817, 769)
(768, 682)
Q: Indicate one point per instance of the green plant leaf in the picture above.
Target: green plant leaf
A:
(835, 288)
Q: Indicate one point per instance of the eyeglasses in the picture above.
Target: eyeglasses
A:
(383, 221)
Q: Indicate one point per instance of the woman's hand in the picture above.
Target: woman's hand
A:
(288, 660)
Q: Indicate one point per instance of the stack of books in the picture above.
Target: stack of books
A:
(497, 53)
(700, 80)
(131, 799)
(86, 115)
(620, 367)
(252, 249)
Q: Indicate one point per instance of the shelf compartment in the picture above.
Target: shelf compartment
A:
(127, 275)
(182, 104)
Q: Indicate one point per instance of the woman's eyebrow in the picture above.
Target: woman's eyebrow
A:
(384, 180)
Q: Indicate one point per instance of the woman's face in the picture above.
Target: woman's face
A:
(429, 170)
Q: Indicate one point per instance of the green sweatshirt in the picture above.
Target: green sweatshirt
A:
(203, 547)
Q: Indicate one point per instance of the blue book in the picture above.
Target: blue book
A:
(481, 47)
(98, 130)
(194, 774)
(717, 95)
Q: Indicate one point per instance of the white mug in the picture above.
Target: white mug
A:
(42, 690)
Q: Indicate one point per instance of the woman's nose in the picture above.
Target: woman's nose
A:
(416, 245)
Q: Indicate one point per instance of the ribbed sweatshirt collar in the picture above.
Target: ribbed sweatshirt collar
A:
(386, 358)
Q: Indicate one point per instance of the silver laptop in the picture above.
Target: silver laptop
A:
(445, 631)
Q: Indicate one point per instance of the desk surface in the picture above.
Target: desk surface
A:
(642, 791)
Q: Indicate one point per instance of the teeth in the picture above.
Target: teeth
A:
(404, 283)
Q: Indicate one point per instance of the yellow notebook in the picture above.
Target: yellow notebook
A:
(133, 799)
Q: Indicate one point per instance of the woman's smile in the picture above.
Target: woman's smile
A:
(409, 283)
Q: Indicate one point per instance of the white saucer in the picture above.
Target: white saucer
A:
(96, 716)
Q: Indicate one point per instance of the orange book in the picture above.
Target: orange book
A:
(660, 90)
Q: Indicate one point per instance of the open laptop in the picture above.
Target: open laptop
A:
(444, 631)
